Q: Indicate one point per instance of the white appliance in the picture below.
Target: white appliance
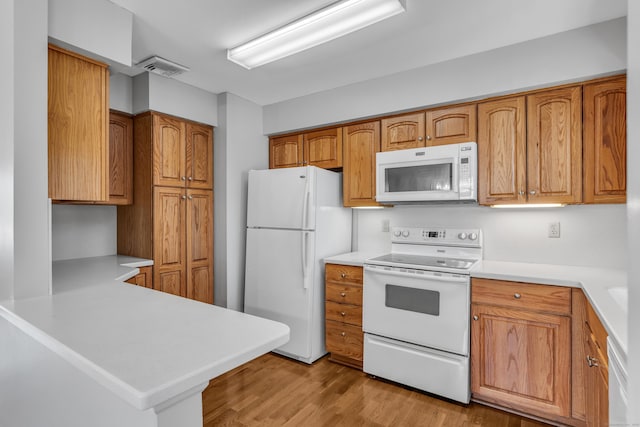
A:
(617, 385)
(444, 173)
(295, 219)
(416, 308)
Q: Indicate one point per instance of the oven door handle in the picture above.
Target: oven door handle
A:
(440, 277)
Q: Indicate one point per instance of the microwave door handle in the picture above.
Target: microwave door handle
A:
(455, 175)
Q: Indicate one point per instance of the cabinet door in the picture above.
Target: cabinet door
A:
(605, 141)
(78, 118)
(502, 156)
(143, 278)
(285, 152)
(199, 240)
(361, 143)
(169, 240)
(554, 146)
(403, 132)
(451, 125)
(199, 156)
(521, 360)
(323, 148)
(168, 151)
(120, 159)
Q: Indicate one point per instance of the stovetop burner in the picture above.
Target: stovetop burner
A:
(409, 260)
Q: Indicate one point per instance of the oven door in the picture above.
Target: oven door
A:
(416, 306)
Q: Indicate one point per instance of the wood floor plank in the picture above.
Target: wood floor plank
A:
(276, 391)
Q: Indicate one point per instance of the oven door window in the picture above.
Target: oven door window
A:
(431, 177)
(412, 299)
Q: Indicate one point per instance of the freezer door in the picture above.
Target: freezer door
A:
(282, 198)
(279, 282)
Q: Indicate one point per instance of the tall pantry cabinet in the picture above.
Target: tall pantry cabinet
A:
(171, 220)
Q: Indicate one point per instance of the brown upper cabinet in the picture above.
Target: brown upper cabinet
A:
(440, 126)
(551, 148)
(120, 159)
(183, 153)
(451, 125)
(605, 141)
(321, 148)
(78, 120)
(361, 143)
(402, 132)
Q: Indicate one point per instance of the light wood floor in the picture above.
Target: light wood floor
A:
(275, 391)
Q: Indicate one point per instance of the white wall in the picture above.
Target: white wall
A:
(589, 235)
(83, 231)
(121, 92)
(98, 27)
(7, 51)
(239, 146)
(573, 55)
(633, 208)
(157, 93)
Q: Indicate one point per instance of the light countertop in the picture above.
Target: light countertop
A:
(146, 346)
(600, 285)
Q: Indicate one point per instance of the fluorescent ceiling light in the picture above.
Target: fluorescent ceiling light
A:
(331, 22)
(530, 205)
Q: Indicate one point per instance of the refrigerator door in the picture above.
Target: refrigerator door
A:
(279, 282)
(282, 198)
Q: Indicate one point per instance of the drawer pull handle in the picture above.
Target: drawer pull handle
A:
(517, 295)
(342, 313)
(343, 275)
(342, 294)
(344, 334)
(475, 317)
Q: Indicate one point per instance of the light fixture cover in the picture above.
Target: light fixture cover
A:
(331, 22)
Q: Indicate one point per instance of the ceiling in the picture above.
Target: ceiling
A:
(196, 33)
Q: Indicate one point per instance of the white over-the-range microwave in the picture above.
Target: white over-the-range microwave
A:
(443, 173)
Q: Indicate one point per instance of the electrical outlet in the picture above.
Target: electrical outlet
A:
(385, 225)
(554, 229)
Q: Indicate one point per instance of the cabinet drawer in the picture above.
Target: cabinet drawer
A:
(556, 299)
(351, 314)
(344, 340)
(347, 294)
(343, 273)
(597, 329)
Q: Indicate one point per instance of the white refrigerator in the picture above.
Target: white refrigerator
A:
(295, 219)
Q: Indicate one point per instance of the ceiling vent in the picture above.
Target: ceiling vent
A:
(162, 66)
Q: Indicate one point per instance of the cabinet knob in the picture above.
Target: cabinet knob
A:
(517, 295)
(190, 197)
(343, 275)
(190, 178)
(183, 197)
(428, 137)
(342, 313)
(344, 334)
(521, 192)
(421, 138)
(475, 317)
(184, 178)
(343, 294)
(592, 362)
(532, 192)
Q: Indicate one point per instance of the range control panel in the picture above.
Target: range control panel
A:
(437, 236)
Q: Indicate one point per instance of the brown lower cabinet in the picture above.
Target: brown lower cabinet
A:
(343, 309)
(144, 278)
(531, 351)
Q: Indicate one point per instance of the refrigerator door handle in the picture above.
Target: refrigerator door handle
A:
(305, 239)
(305, 201)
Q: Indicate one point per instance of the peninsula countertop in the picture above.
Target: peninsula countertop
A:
(145, 346)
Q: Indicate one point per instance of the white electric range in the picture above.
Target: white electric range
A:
(416, 308)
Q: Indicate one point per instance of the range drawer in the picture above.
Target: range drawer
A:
(343, 273)
(351, 314)
(555, 299)
(347, 294)
(345, 340)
